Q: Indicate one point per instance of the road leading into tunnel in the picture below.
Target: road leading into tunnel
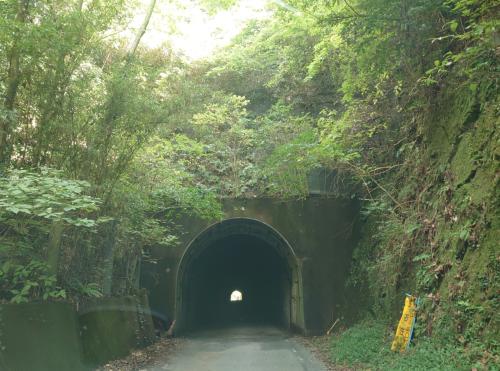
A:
(242, 349)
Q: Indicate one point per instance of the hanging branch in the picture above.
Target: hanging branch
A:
(353, 10)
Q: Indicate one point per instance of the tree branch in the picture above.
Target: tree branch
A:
(142, 30)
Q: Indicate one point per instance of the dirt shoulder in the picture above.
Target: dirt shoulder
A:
(154, 355)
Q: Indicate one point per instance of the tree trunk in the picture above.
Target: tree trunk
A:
(54, 247)
(12, 81)
(109, 259)
(110, 117)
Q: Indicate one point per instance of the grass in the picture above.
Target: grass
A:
(367, 346)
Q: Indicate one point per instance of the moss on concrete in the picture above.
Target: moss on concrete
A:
(42, 337)
(110, 328)
(51, 336)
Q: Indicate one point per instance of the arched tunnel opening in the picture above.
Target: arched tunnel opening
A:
(238, 272)
(238, 263)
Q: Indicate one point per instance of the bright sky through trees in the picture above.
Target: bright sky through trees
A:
(197, 34)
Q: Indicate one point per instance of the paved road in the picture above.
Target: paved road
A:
(242, 349)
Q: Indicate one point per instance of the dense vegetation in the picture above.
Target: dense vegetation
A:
(366, 345)
(103, 144)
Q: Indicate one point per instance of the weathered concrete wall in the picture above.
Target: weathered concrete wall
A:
(321, 231)
(53, 336)
(39, 337)
(111, 327)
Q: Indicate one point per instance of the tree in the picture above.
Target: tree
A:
(13, 79)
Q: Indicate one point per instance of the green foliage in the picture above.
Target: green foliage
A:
(45, 195)
(24, 282)
(288, 166)
(231, 151)
(213, 5)
(360, 344)
(30, 204)
(471, 40)
(396, 97)
(386, 94)
(149, 208)
(91, 290)
(78, 101)
(367, 346)
(224, 127)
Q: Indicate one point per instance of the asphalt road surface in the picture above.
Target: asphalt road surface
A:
(242, 349)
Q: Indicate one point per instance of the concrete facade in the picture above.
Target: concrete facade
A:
(315, 238)
(54, 336)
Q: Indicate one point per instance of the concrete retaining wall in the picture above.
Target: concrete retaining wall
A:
(53, 336)
(110, 328)
(39, 337)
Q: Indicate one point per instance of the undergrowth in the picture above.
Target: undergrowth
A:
(367, 346)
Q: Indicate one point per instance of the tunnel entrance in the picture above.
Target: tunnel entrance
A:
(238, 272)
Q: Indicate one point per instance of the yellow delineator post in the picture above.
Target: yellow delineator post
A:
(406, 324)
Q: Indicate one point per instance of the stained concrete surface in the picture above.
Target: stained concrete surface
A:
(321, 232)
(242, 349)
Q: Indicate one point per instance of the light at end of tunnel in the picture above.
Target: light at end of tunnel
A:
(236, 296)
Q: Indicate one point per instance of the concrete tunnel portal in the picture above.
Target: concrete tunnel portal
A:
(239, 256)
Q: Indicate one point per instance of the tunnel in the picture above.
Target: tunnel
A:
(238, 272)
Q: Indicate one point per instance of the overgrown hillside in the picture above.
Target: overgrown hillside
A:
(400, 99)
(440, 242)
(105, 142)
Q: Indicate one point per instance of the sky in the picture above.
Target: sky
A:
(198, 34)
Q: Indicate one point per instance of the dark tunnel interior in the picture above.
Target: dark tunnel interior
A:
(244, 263)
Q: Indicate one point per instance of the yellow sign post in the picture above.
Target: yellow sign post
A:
(406, 325)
